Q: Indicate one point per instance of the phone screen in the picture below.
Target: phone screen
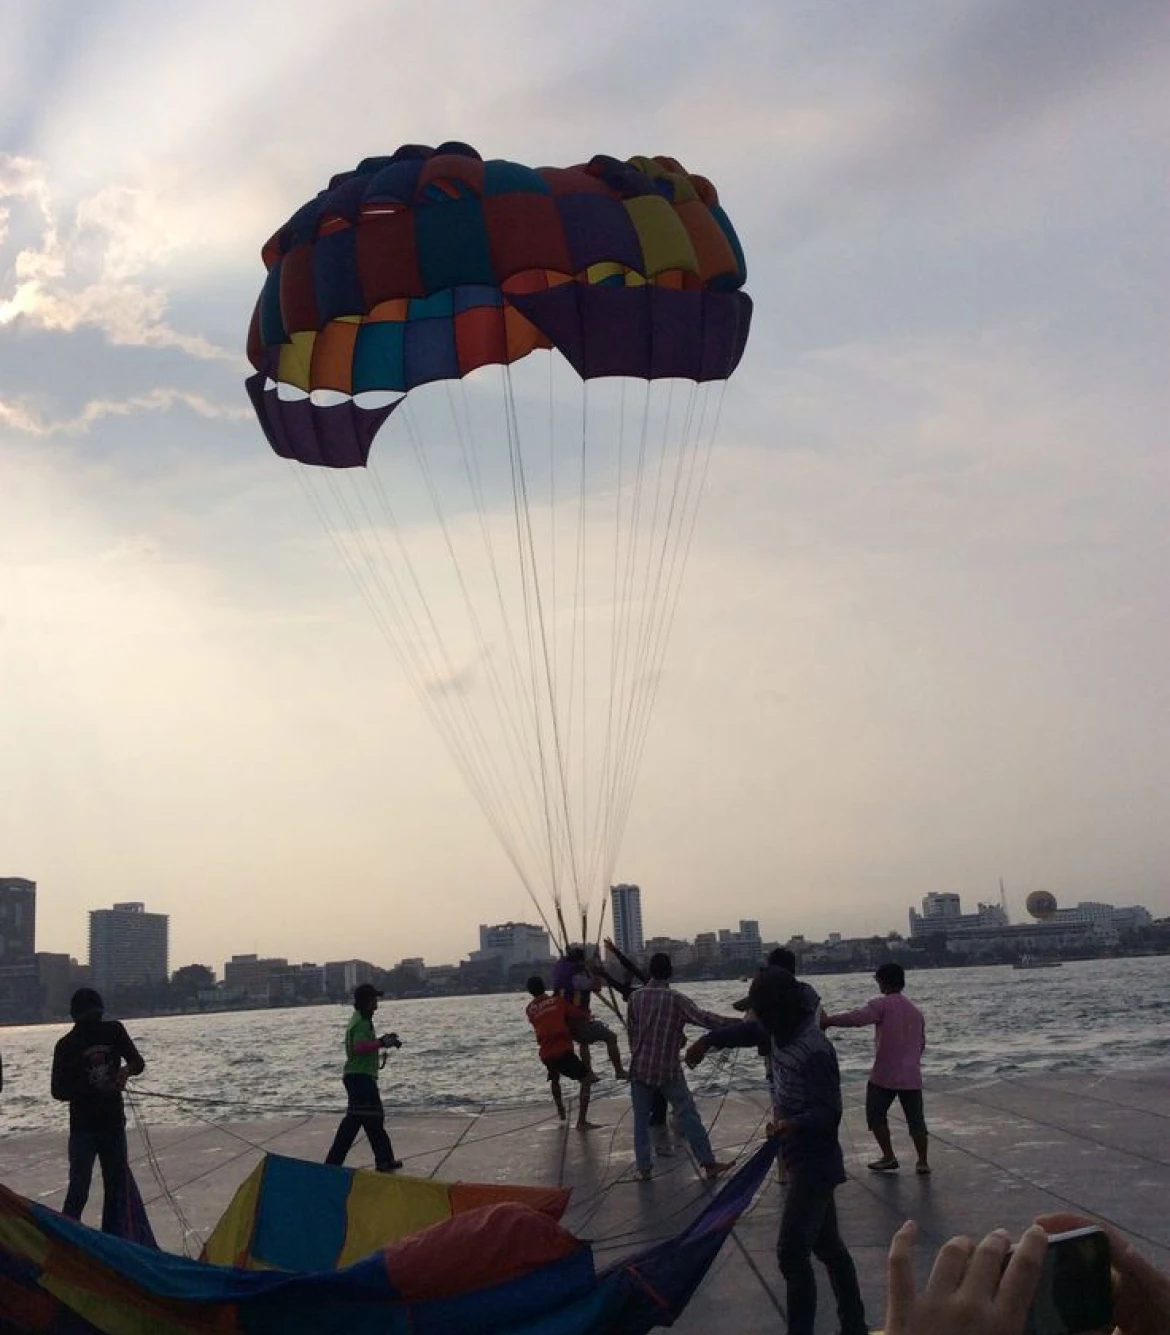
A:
(1076, 1288)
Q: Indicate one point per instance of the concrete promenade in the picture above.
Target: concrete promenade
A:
(1002, 1151)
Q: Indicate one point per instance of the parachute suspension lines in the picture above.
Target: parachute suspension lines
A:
(697, 440)
(520, 541)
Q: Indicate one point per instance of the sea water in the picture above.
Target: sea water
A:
(470, 1052)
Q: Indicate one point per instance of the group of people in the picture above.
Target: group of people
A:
(984, 1289)
(973, 1289)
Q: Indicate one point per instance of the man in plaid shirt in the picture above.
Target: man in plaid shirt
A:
(657, 1022)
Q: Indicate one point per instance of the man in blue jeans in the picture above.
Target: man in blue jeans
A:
(360, 1077)
(90, 1067)
(657, 1023)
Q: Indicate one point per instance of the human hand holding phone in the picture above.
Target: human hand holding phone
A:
(1141, 1292)
(972, 1290)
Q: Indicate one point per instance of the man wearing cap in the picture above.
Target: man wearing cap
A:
(806, 1111)
(360, 1077)
(90, 1067)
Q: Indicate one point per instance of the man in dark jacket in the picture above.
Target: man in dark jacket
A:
(90, 1067)
(806, 1110)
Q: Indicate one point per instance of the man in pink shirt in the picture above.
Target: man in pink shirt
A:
(899, 1041)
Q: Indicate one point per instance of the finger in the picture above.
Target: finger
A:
(1021, 1279)
(950, 1265)
(986, 1267)
(900, 1275)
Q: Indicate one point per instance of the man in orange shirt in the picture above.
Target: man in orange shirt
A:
(549, 1017)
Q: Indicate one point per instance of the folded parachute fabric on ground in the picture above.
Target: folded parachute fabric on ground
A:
(505, 1267)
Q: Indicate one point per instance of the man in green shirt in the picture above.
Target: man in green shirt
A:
(360, 1077)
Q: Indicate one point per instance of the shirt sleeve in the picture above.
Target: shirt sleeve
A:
(129, 1053)
(744, 1034)
(705, 1019)
(61, 1084)
(870, 1013)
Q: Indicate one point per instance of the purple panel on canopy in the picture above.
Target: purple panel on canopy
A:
(599, 229)
(616, 331)
(646, 332)
(727, 320)
(338, 436)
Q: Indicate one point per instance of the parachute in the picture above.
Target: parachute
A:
(520, 535)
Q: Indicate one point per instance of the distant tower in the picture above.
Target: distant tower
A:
(18, 920)
(127, 947)
(626, 901)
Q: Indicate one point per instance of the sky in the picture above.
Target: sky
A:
(924, 634)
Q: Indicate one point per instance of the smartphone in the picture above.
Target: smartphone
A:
(1076, 1287)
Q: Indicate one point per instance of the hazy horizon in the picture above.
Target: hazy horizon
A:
(923, 638)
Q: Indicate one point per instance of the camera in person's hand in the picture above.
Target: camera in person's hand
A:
(390, 1041)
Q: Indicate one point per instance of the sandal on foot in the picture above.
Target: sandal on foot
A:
(883, 1166)
(922, 1169)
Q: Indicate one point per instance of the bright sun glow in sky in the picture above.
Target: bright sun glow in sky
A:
(924, 637)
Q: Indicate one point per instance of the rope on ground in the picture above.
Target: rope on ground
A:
(725, 1061)
(187, 1230)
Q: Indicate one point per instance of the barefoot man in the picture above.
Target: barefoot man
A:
(549, 1017)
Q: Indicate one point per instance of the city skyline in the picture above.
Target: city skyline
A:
(753, 934)
(921, 637)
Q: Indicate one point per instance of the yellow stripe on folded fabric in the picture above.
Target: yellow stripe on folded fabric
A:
(128, 1312)
(381, 1209)
(296, 359)
(680, 183)
(231, 1238)
(665, 242)
(20, 1235)
(598, 273)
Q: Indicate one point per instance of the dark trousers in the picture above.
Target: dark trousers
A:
(808, 1228)
(364, 1112)
(879, 1100)
(658, 1108)
(109, 1148)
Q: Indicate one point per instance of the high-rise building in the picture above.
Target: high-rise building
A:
(18, 920)
(127, 947)
(942, 916)
(512, 943)
(942, 904)
(626, 908)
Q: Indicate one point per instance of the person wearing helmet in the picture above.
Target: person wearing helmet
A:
(91, 1064)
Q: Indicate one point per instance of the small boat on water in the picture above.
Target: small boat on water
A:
(1036, 962)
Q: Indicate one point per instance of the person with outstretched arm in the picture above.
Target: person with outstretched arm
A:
(806, 1110)
(899, 1042)
(657, 1022)
(91, 1065)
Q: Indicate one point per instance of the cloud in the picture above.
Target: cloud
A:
(92, 269)
(24, 418)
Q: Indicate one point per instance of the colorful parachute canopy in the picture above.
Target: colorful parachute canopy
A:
(503, 1269)
(290, 1214)
(430, 263)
